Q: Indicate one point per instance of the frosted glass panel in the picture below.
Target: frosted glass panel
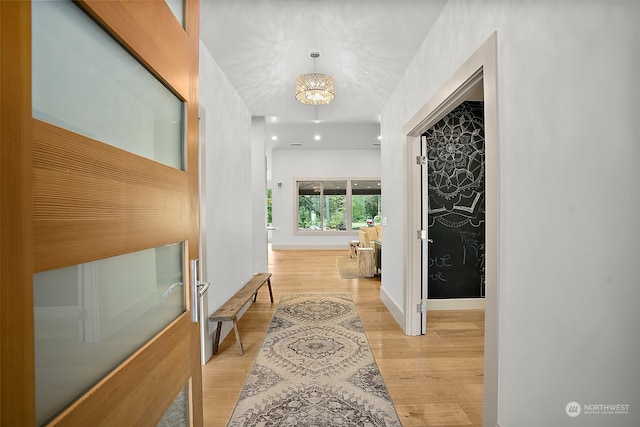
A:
(84, 81)
(178, 413)
(177, 7)
(91, 317)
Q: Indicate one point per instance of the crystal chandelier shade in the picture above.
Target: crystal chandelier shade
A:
(315, 89)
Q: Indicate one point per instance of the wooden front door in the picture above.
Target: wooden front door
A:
(73, 202)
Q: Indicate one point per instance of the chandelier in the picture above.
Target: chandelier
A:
(315, 88)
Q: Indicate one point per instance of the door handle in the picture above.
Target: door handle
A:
(202, 288)
(198, 289)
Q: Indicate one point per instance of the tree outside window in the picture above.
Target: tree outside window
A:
(269, 208)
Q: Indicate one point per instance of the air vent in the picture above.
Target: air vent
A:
(296, 145)
(376, 144)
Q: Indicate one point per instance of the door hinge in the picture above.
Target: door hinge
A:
(422, 307)
(421, 160)
(424, 235)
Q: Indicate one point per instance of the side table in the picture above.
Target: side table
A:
(366, 262)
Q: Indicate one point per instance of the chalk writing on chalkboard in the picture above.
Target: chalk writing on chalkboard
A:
(471, 245)
(456, 172)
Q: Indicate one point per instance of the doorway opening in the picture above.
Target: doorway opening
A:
(477, 75)
(453, 196)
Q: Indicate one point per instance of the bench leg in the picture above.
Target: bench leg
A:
(255, 296)
(216, 338)
(235, 328)
(270, 292)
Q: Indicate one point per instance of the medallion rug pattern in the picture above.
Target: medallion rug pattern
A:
(315, 368)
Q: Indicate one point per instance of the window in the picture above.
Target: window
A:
(366, 203)
(322, 205)
(269, 208)
(337, 205)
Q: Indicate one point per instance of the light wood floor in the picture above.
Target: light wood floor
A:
(434, 379)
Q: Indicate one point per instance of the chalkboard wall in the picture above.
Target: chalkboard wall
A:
(455, 157)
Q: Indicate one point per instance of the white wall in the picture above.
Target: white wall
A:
(259, 194)
(229, 262)
(568, 103)
(290, 165)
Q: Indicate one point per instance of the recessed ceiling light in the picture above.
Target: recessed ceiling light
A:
(379, 138)
(317, 137)
(274, 138)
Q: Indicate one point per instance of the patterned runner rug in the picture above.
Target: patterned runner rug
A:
(315, 368)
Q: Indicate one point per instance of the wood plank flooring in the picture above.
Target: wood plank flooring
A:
(434, 379)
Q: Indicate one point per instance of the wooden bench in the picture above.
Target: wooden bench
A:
(230, 309)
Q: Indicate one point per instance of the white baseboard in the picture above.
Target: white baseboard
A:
(395, 311)
(456, 304)
(344, 247)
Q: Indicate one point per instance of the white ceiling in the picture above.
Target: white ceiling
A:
(366, 45)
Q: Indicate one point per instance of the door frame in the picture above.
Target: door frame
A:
(206, 342)
(480, 68)
(17, 386)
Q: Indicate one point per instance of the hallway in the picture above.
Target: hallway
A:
(434, 380)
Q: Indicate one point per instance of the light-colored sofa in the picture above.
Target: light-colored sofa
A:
(368, 235)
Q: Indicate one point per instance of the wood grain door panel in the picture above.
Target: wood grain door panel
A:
(68, 199)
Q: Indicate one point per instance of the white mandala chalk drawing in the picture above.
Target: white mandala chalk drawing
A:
(455, 159)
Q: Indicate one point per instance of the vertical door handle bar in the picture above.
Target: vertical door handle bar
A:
(197, 290)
